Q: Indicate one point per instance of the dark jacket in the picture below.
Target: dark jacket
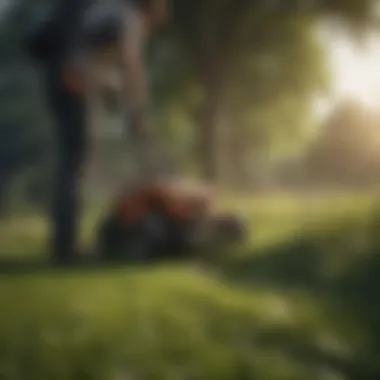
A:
(67, 27)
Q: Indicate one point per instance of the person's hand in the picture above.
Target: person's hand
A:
(156, 13)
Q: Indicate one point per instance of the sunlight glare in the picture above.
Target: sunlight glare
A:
(356, 71)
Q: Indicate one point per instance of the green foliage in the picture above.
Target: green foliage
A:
(24, 138)
(358, 16)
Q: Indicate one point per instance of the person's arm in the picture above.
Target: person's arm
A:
(135, 73)
(143, 20)
(136, 95)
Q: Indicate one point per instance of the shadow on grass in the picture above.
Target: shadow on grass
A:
(39, 266)
(340, 268)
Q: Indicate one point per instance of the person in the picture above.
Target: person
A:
(69, 45)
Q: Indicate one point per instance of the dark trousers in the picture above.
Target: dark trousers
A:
(69, 122)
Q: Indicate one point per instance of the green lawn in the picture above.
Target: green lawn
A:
(298, 301)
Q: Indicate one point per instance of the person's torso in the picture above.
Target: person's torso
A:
(75, 27)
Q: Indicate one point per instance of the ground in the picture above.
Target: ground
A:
(297, 301)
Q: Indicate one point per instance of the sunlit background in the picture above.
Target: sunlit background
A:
(355, 70)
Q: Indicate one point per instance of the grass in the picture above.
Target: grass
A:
(298, 301)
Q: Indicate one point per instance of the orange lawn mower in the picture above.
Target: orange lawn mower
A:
(166, 219)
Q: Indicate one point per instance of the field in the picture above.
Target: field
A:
(298, 301)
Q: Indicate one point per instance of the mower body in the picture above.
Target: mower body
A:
(164, 220)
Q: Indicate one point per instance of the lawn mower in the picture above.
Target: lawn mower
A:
(166, 219)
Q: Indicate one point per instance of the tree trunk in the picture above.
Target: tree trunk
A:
(210, 134)
(236, 154)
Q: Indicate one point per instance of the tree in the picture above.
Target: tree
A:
(24, 138)
(217, 36)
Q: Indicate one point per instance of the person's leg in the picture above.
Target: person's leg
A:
(68, 113)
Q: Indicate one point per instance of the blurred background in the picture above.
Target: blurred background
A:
(254, 96)
(278, 103)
